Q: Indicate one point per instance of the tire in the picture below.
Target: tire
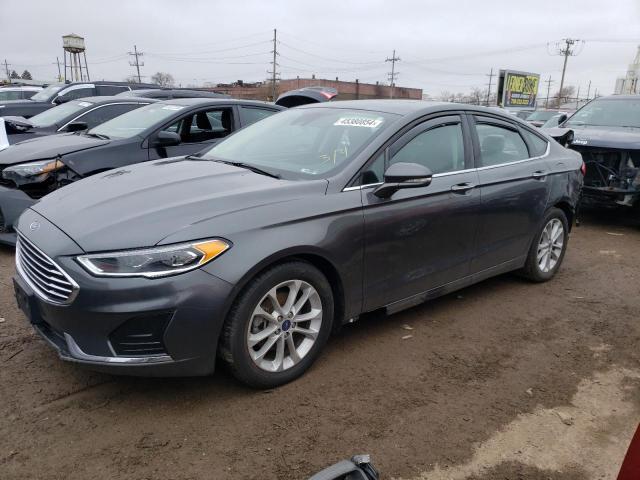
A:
(256, 326)
(539, 270)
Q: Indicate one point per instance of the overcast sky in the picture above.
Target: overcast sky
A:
(443, 44)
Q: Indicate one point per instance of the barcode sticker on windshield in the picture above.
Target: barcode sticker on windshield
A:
(172, 107)
(359, 122)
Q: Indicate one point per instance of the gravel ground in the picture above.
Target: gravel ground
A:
(505, 379)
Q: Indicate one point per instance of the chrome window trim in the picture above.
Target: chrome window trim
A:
(37, 290)
(467, 170)
(545, 154)
(97, 107)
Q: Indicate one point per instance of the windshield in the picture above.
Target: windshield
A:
(607, 113)
(541, 115)
(309, 141)
(136, 121)
(46, 94)
(58, 114)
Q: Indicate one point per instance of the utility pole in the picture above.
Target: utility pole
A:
(489, 88)
(274, 65)
(588, 90)
(136, 63)
(548, 82)
(393, 74)
(578, 97)
(566, 51)
(6, 68)
(59, 71)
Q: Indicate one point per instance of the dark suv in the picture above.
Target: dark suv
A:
(58, 93)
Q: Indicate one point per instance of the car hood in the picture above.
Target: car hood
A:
(140, 205)
(627, 138)
(50, 146)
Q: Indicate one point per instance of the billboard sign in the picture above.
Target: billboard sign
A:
(518, 89)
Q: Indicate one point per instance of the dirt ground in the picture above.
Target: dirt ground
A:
(503, 380)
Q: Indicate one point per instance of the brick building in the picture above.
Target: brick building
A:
(346, 90)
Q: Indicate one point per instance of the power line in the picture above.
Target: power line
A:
(136, 63)
(325, 58)
(393, 74)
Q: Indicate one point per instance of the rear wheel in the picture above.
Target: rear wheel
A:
(278, 325)
(548, 248)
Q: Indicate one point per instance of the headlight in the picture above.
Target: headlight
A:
(154, 262)
(32, 172)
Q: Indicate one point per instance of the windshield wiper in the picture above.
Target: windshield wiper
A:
(97, 135)
(247, 166)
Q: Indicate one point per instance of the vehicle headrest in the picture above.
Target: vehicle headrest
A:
(202, 121)
(493, 144)
(225, 119)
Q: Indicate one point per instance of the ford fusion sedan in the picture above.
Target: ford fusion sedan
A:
(33, 168)
(256, 250)
(73, 116)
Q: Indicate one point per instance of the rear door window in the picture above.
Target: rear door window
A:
(500, 144)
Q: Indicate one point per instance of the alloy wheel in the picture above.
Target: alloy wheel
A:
(550, 245)
(284, 325)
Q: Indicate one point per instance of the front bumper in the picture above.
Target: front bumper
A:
(136, 326)
(610, 196)
(12, 203)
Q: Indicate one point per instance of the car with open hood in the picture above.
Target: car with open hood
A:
(256, 249)
(72, 116)
(58, 93)
(33, 168)
(606, 131)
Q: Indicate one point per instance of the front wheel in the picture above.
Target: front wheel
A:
(278, 325)
(548, 248)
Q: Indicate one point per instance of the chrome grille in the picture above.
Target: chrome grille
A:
(42, 274)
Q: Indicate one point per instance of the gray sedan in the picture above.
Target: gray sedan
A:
(255, 251)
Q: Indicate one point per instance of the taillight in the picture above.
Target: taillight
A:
(583, 169)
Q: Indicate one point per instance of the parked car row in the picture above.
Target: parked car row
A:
(254, 247)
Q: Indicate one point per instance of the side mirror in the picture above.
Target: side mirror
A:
(403, 175)
(76, 127)
(358, 468)
(60, 100)
(166, 139)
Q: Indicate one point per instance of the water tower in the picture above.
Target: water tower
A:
(73, 45)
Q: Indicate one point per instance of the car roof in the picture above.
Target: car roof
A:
(19, 88)
(618, 97)
(405, 107)
(98, 99)
(195, 102)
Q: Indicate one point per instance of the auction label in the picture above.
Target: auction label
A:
(172, 107)
(358, 122)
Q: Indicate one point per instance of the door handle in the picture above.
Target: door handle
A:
(539, 174)
(462, 187)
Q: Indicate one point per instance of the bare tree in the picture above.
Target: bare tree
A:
(163, 79)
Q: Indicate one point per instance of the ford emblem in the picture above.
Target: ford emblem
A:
(34, 226)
